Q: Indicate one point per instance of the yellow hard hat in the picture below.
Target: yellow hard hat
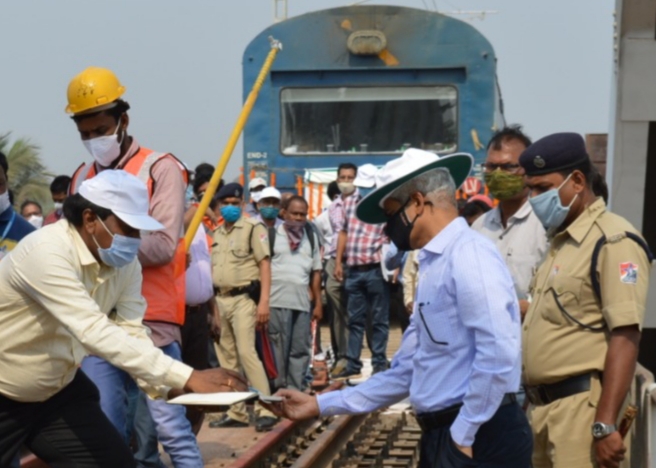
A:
(93, 90)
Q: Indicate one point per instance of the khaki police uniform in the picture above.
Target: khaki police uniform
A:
(236, 254)
(556, 348)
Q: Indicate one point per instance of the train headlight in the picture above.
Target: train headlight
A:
(366, 42)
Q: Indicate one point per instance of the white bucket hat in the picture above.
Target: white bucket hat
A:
(124, 195)
(398, 171)
(366, 177)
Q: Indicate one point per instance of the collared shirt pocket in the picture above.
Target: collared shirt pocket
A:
(563, 295)
(436, 326)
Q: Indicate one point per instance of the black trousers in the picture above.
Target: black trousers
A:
(68, 430)
(195, 334)
(505, 441)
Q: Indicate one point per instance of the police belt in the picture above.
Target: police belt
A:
(232, 292)
(540, 395)
(445, 417)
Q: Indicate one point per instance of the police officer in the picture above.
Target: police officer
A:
(581, 333)
(241, 272)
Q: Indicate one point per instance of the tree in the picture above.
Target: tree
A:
(28, 177)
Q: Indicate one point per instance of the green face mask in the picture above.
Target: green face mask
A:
(503, 185)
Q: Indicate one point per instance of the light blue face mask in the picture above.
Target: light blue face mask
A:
(549, 209)
(122, 251)
(230, 213)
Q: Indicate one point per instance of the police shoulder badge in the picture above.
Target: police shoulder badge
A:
(628, 273)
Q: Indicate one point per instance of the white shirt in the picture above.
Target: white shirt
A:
(523, 243)
(325, 231)
(58, 304)
(198, 281)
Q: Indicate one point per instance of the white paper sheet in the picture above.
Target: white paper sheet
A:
(212, 399)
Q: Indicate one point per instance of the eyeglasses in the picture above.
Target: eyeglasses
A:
(507, 167)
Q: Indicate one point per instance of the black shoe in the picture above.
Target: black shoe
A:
(346, 374)
(227, 421)
(265, 423)
(382, 368)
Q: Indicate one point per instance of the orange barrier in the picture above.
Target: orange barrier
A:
(311, 200)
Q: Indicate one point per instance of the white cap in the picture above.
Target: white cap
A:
(366, 177)
(256, 182)
(124, 195)
(270, 192)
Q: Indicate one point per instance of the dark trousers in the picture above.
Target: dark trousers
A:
(397, 308)
(367, 294)
(67, 430)
(505, 441)
(195, 335)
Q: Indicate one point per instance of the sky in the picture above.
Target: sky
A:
(181, 65)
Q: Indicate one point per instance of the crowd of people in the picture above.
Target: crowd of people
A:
(105, 315)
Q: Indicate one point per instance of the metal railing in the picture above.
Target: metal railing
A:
(643, 396)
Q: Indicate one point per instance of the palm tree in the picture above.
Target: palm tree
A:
(28, 177)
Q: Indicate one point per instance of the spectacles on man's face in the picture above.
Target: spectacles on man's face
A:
(506, 167)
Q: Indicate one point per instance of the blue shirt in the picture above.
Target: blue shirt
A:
(463, 342)
(18, 228)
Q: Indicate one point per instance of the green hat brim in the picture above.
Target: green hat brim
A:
(369, 210)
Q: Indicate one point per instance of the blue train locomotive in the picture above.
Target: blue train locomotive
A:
(361, 84)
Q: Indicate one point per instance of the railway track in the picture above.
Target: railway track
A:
(388, 439)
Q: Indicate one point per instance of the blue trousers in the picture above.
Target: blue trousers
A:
(505, 441)
(156, 420)
(367, 292)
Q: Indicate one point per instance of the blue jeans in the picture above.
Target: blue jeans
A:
(367, 292)
(117, 393)
(157, 420)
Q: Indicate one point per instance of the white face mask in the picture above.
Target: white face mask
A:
(58, 206)
(36, 221)
(4, 201)
(105, 149)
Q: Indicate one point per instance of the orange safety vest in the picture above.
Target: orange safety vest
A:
(164, 303)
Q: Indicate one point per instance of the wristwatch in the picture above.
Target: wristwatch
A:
(601, 430)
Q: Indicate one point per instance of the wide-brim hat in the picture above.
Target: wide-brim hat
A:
(397, 172)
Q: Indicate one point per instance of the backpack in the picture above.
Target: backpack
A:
(309, 231)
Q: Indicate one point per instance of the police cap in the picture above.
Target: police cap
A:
(230, 190)
(554, 153)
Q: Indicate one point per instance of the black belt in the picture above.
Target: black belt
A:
(540, 395)
(445, 417)
(367, 267)
(234, 291)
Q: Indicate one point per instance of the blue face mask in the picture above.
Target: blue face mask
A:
(189, 195)
(122, 251)
(230, 213)
(549, 209)
(269, 212)
(364, 191)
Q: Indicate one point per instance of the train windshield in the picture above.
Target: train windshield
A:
(368, 120)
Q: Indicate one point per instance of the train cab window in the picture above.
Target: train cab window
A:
(381, 120)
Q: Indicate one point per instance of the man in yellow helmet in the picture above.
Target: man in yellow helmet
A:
(94, 100)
